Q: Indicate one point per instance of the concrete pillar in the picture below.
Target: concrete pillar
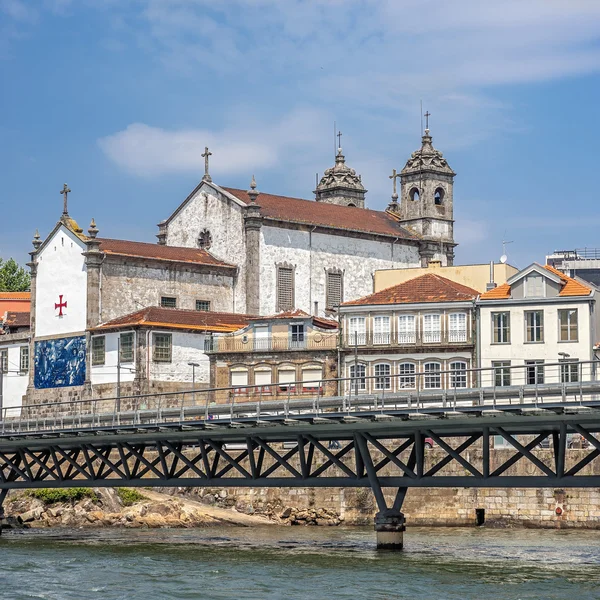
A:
(33, 264)
(252, 225)
(390, 527)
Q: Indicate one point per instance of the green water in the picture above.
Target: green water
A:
(299, 562)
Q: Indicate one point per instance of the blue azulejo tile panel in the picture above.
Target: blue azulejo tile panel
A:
(60, 362)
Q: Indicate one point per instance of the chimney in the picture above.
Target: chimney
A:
(492, 284)
(434, 264)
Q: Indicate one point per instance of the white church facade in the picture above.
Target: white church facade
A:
(224, 251)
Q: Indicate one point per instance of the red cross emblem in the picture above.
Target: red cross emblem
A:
(60, 305)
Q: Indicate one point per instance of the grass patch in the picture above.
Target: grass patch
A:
(51, 496)
(129, 496)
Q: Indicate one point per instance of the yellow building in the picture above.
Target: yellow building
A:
(473, 276)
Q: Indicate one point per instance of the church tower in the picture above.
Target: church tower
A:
(341, 185)
(426, 205)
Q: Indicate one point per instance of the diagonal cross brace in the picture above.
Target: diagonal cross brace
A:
(525, 451)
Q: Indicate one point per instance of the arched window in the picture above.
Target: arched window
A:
(204, 240)
(358, 376)
(382, 376)
(414, 194)
(407, 379)
(438, 196)
(458, 374)
(433, 378)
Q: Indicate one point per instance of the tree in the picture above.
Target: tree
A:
(13, 278)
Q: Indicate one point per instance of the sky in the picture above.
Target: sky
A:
(118, 98)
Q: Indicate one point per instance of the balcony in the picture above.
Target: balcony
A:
(460, 337)
(318, 341)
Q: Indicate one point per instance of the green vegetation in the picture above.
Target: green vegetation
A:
(129, 497)
(48, 496)
(13, 278)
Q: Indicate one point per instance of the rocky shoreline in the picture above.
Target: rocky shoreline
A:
(146, 508)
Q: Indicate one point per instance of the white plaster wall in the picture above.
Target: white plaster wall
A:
(518, 351)
(313, 253)
(223, 217)
(61, 270)
(14, 382)
(107, 373)
(187, 347)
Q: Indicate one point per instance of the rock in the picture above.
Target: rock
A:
(286, 513)
(223, 494)
(32, 515)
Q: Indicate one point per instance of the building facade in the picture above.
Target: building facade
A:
(417, 335)
(536, 328)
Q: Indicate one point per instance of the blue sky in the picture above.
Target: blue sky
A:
(119, 97)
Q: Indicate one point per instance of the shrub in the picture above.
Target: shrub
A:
(129, 496)
(52, 496)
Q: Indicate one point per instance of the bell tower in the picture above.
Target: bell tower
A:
(426, 201)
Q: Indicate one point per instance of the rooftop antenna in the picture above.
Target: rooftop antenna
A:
(421, 111)
(504, 257)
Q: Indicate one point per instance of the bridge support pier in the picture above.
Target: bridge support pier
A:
(390, 527)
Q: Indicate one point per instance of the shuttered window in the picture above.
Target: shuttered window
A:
(98, 350)
(334, 290)
(262, 378)
(285, 288)
(311, 378)
(163, 343)
(239, 378)
(286, 377)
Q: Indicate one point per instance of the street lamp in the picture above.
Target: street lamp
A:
(193, 365)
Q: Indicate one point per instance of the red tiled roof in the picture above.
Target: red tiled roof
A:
(16, 319)
(158, 252)
(570, 287)
(298, 313)
(297, 210)
(15, 295)
(426, 288)
(175, 318)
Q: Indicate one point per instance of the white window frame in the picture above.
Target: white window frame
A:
(502, 373)
(432, 375)
(569, 325)
(431, 333)
(458, 374)
(537, 328)
(358, 377)
(407, 328)
(501, 326)
(381, 329)
(382, 381)
(24, 359)
(457, 331)
(407, 376)
(357, 331)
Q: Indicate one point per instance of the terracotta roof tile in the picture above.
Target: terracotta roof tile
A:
(158, 252)
(298, 313)
(16, 319)
(297, 210)
(174, 318)
(426, 288)
(15, 295)
(570, 287)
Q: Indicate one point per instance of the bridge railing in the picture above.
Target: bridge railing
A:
(449, 389)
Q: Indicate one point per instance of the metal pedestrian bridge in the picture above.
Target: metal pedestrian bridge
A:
(351, 440)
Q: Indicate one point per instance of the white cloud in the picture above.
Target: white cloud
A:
(245, 145)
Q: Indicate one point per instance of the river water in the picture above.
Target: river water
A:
(298, 563)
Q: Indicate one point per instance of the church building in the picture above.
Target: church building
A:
(227, 251)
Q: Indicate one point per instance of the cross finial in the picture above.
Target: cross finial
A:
(427, 115)
(393, 177)
(65, 192)
(205, 157)
(339, 137)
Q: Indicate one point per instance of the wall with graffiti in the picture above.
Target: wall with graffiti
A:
(60, 362)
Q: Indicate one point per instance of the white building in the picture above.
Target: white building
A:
(14, 362)
(539, 317)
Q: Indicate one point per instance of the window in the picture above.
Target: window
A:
(407, 379)
(501, 373)
(168, 302)
(162, 347)
(567, 320)
(356, 331)
(431, 329)
(433, 377)
(203, 305)
(262, 378)
(535, 372)
(414, 195)
(261, 337)
(458, 374)
(534, 286)
(438, 196)
(204, 240)
(24, 359)
(382, 377)
(358, 377)
(4, 361)
(311, 378)
(501, 327)
(381, 330)
(457, 327)
(569, 371)
(406, 329)
(286, 379)
(126, 343)
(297, 335)
(98, 350)
(334, 290)
(285, 288)
(534, 323)
(239, 381)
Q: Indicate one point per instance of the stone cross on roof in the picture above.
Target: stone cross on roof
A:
(65, 192)
(393, 177)
(427, 115)
(205, 156)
